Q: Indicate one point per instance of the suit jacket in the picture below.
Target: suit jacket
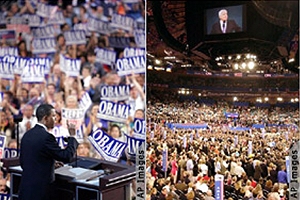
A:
(231, 27)
(38, 153)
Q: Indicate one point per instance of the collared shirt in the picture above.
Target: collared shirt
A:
(42, 125)
(223, 26)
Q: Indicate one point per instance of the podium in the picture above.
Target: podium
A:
(84, 179)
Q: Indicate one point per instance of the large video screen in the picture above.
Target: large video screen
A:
(225, 20)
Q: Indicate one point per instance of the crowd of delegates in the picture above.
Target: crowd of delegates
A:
(19, 99)
(219, 145)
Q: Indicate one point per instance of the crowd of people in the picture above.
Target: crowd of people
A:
(252, 160)
(19, 99)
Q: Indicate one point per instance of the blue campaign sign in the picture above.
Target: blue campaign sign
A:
(165, 160)
(219, 187)
(2, 141)
(4, 196)
(287, 164)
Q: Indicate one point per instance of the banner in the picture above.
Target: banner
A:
(32, 19)
(115, 92)
(105, 56)
(119, 42)
(43, 45)
(60, 133)
(75, 37)
(82, 27)
(12, 51)
(294, 169)
(186, 126)
(44, 32)
(85, 102)
(139, 37)
(231, 115)
(6, 70)
(2, 145)
(70, 66)
(287, 165)
(8, 35)
(98, 26)
(132, 52)
(19, 63)
(127, 66)
(33, 74)
(57, 18)
(111, 111)
(74, 116)
(239, 129)
(3, 20)
(139, 128)
(219, 187)
(133, 144)
(44, 10)
(109, 148)
(139, 24)
(16, 20)
(4, 196)
(249, 148)
(165, 159)
(122, 22)
(18, 28)
(10, 153)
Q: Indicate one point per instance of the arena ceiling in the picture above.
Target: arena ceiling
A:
(174, 29)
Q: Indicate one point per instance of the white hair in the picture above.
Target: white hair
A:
(222, 11)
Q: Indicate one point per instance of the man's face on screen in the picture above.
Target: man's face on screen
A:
(224, 16)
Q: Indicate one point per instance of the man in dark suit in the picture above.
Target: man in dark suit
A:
(38, 154)
(224, 25)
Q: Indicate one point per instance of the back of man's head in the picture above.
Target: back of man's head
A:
(43, 110)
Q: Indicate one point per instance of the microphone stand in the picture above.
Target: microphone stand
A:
(17, 120)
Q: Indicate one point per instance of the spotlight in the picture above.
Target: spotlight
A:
(251, 65)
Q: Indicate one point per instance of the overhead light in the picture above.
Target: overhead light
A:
(148, 54)
(157, 61)
(159, 68)
(258, 100)
(279, 99)
(236, 66)
(251, 65)
(169, 57)
(244, 65)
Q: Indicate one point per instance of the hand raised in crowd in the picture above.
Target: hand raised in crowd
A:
(71, 128)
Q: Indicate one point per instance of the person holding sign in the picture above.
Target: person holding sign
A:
(38, 154)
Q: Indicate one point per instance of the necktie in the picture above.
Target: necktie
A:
(223, 27)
